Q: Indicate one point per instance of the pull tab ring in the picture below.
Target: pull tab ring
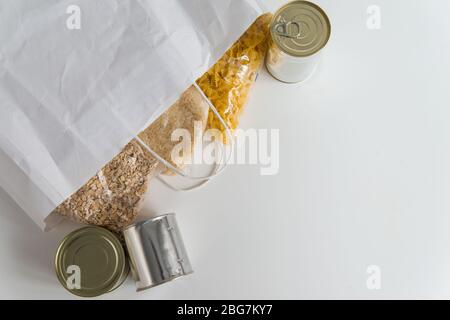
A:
(284, 29)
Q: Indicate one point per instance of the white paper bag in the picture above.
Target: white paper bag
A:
(80, 78)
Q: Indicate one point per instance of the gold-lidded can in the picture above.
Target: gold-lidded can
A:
(90, 262)
(298, 32)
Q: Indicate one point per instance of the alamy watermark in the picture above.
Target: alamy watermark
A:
(73, 281)
(251, 146)
(73, 22)
(374, 17)
(373, 281)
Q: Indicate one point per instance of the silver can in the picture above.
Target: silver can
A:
(298, 32)
(156, 251)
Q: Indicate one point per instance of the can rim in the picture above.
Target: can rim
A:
(149, 220)
(322, 12)
(116, 281)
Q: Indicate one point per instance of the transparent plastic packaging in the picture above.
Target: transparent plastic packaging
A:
(113, 197)
(228, 82)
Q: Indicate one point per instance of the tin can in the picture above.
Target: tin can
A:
(298, 32)
(156, 250)
(90, 262)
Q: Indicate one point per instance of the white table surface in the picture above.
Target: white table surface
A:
(364, 180)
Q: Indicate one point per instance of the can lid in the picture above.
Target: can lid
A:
(300, 28)
(94, 255)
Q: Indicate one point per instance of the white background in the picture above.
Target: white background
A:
(363, 180)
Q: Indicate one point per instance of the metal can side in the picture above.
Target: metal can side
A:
(156, 251)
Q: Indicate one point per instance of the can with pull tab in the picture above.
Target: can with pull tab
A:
(298, 33)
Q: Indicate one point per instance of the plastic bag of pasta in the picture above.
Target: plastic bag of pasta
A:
(228, 82)
(112, 198)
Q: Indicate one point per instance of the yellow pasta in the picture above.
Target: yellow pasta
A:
(228, 82)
